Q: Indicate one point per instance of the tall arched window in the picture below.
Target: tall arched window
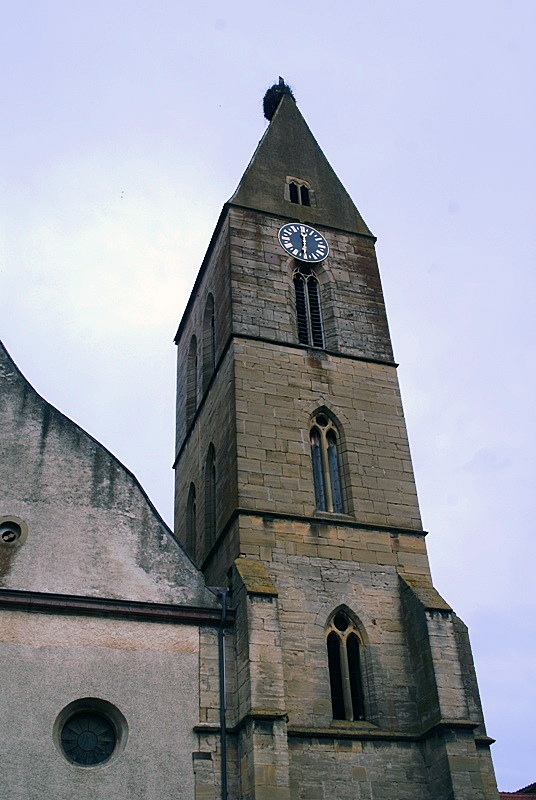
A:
(191, 520)
(191, 381)
(210, 496)
(326, 467)
(308, 313)
(209, 342)
(345, 669)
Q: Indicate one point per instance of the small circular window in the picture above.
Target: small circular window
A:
(88, 738)
(90, 731)
(13, 531)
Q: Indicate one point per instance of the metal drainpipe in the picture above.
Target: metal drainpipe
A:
(222, 593)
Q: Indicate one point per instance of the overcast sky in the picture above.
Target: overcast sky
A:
(127, 125)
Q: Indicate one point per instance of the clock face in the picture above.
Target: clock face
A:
(303, 242)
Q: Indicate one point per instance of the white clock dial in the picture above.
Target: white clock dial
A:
(303, 242)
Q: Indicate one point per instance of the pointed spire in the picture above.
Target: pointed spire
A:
(287, 151)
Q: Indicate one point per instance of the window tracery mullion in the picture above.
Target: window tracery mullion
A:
(344, 647)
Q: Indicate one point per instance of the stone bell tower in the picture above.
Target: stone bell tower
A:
(349, 676)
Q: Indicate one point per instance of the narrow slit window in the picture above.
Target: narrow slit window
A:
(210, 497)
(304, 195)
(191, 520)
(191, 381)
(308, 311)
(344, 648)
(326, 465)
(293, 192)
(209, 342)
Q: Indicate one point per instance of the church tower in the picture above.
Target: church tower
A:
(348, 676)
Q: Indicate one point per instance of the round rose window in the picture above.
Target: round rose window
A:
(88, 738)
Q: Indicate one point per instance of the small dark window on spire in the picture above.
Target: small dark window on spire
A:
(298, 192)
(304, 195)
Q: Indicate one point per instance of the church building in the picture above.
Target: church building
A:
(285, 640)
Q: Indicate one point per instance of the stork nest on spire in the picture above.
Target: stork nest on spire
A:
(273, 96)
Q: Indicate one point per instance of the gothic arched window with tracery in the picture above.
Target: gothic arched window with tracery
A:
(326, 464)
(345, 649)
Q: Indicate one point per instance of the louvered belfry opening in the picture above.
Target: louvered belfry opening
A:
(308, 312)
(301, 308)
(314, 312)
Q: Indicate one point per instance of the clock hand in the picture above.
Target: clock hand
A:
(304, 243)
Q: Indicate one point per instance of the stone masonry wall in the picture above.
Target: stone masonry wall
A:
(311, 586)
(215, 424)
(263, 293)
(278, 389)
(354, 770)
(214, 280)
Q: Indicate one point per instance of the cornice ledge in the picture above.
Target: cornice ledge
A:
(369, 731)
(54, 603)
(258, 714)
(356, 730)
(450, 724)
(326, 518)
